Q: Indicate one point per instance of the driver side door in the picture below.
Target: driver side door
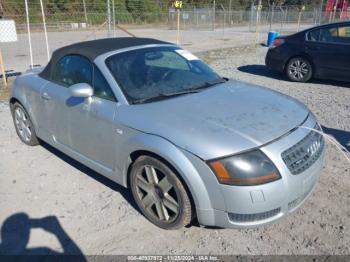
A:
(82, 127)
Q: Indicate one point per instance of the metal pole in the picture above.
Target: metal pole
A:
(29, 37)
(335, 10)
(85, 14)
(230, 12)
(251, 16)
(299, 18)
(321, 12)
(342, 10)
(109, 17)
(3, 69)
(258, 15)
(45, 31)
(178, 27)
(113, 13)
(224, 24)
(214, 7)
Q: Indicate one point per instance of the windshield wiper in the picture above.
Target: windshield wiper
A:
(193, 89)
(161, 96)
(209, 83)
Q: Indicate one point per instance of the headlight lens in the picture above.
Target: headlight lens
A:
(247, 169)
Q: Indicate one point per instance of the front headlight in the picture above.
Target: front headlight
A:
(247, 169)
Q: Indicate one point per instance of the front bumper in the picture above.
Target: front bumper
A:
(251, 206)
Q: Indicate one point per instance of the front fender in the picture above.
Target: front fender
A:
(182, 161)
(26, 90)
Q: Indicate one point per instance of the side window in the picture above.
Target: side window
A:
(101, 87)
(72, 69)
(314, 35)
(328, 35)
(343, 35)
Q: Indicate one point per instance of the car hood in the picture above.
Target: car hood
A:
(223, 120)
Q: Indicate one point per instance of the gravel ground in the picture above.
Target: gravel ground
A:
(100, 217)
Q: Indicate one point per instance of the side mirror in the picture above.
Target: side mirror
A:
(81, 90)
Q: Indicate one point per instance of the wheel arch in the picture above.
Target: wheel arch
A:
(138, 153)
(15, 99)
(164, 150)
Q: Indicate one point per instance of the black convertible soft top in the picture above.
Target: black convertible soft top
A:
(94, 48)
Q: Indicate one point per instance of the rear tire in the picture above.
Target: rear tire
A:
(160, 194)
(299, 69)
(23, 124)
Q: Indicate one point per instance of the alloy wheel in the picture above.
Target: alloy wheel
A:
(23, 124)
(157, 194)
(298, 70)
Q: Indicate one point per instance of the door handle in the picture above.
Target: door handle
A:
(45, 96)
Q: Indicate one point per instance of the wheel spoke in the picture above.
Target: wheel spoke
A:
(151, 175)
(148, 201)
(27, 133)
(170, 203)
(162, 212)
(165, 185)
(18, 113)
(143, 184)
(24, 118)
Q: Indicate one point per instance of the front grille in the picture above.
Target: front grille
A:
(242, 218)
(305, 153)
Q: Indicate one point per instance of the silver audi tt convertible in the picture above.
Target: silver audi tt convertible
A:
(188, 143)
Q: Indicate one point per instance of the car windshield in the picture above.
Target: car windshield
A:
(156, 73)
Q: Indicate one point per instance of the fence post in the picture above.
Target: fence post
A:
(45, 31)
(272, 14)
(258, 16)
(85, 14)
(251, 16)
(109, 17)
(113, 19)
(29, 36)
(230, 12)
(300, 14)
(321, 12)
(3, 71)
(214, 9)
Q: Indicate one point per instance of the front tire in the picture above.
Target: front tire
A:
(23, 124)
(160, 194)
(299, 69)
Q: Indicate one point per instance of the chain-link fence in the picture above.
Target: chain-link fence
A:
(63, 15)
(206, 25)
